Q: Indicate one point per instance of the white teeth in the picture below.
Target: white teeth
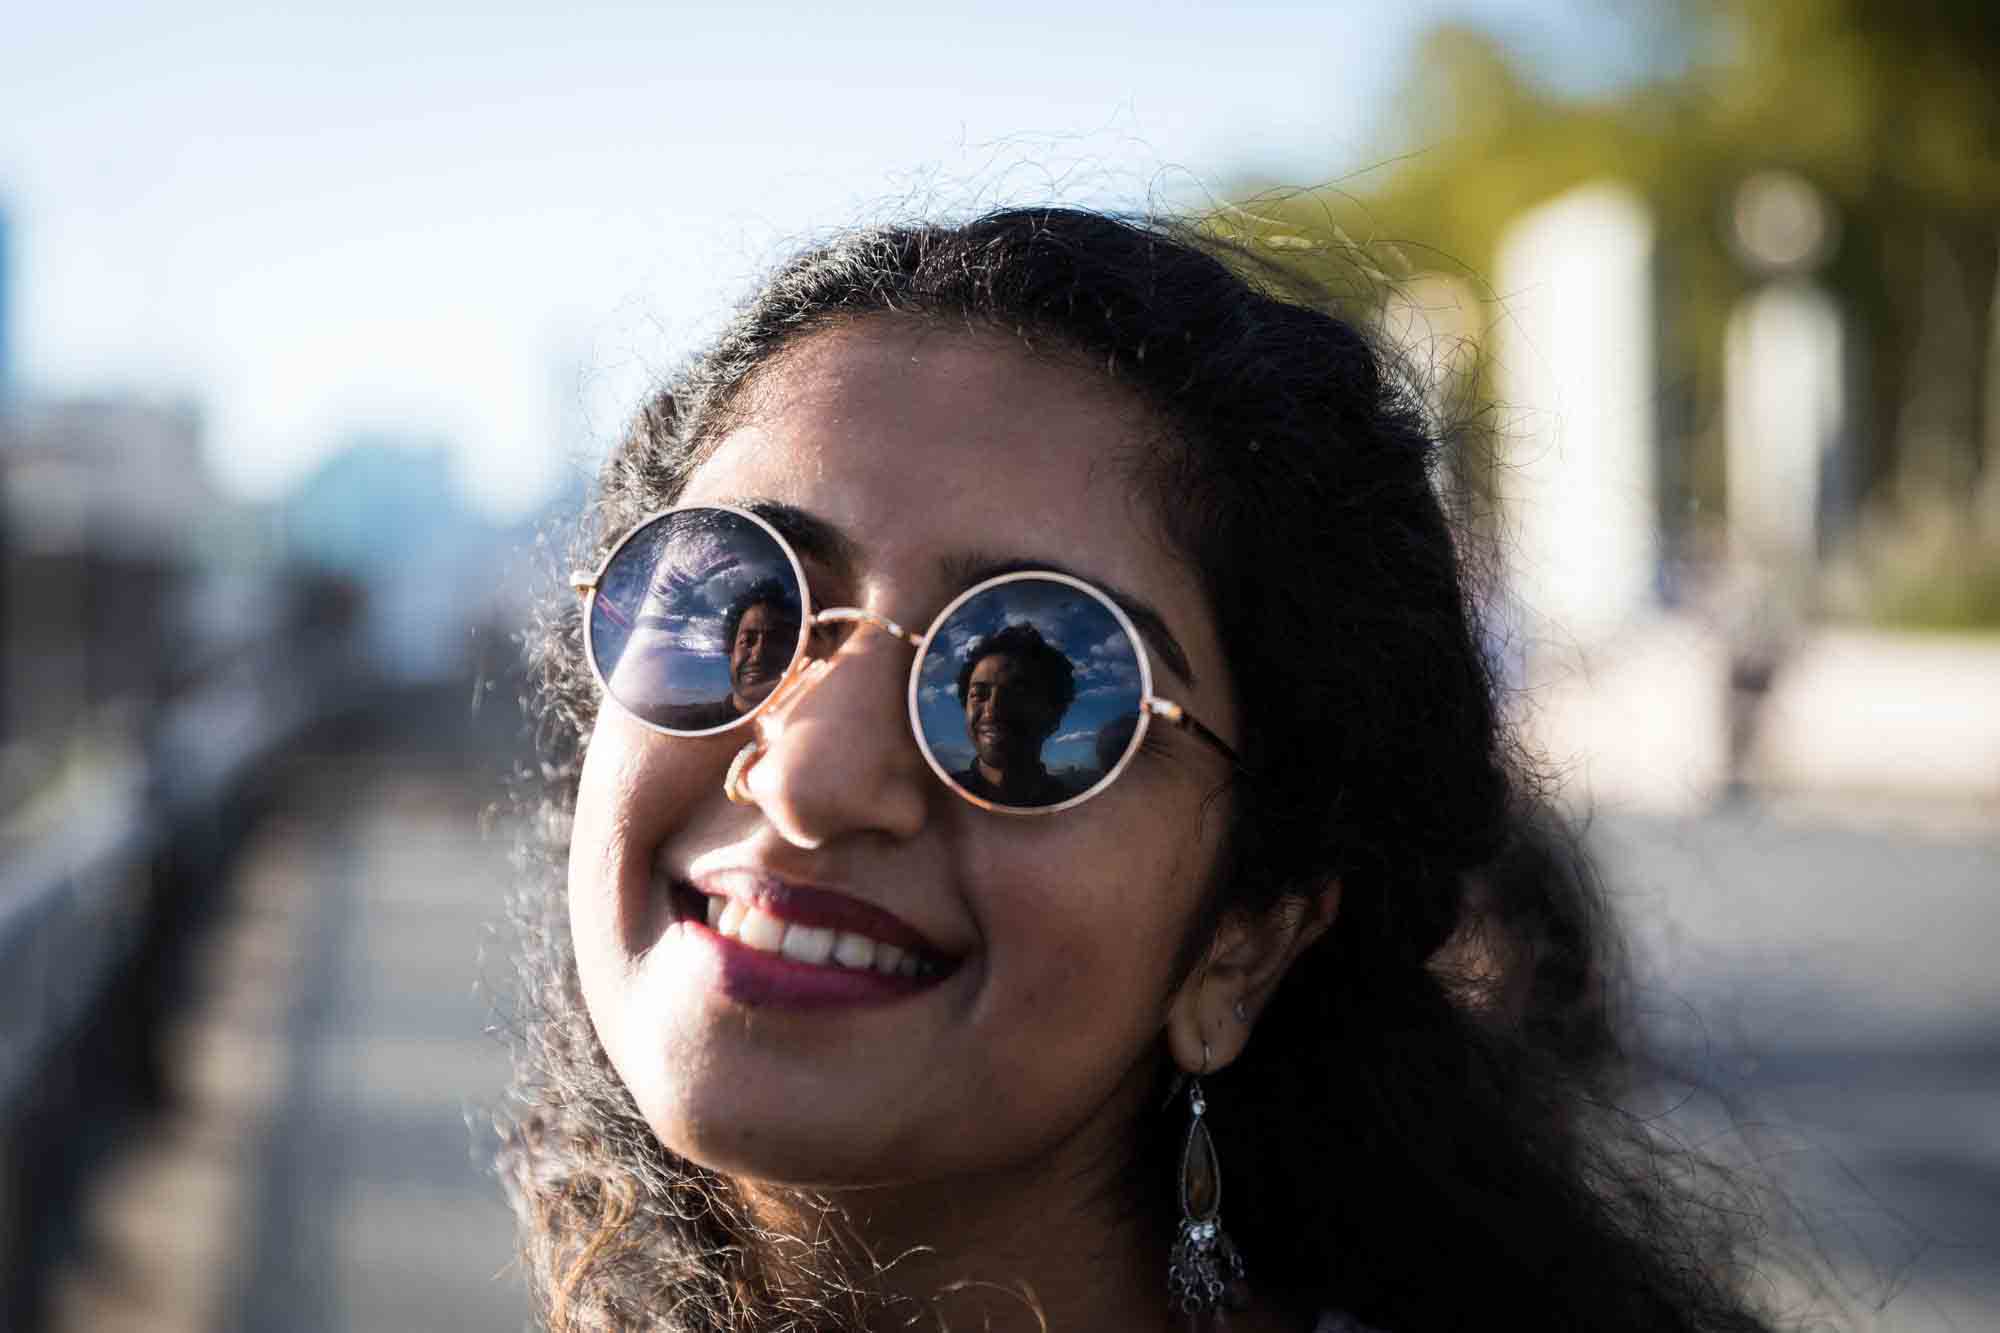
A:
(854, 951)
(761, 931)
(818, 945)
(808, 944)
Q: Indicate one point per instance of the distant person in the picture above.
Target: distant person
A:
(1014, 689)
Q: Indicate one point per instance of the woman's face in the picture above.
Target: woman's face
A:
(924, 461)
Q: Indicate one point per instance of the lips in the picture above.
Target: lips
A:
(818, 945)
(808, 924)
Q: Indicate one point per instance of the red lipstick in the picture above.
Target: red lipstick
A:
(807, 905)
(761, 980)
(760, 977)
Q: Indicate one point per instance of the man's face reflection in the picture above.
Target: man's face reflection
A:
(759, 653)
(1006, 716)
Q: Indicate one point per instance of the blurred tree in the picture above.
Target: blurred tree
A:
(1891, 108)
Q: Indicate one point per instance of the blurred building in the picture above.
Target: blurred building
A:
(6, 307)
(389, 515)
(104, 504)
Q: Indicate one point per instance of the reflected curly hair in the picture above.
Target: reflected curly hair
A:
(773, 593)
(1424, 1130)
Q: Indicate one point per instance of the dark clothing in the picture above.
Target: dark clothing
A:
(1044, 788)
(697, 717)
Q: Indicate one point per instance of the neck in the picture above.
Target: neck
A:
(1055, 1246)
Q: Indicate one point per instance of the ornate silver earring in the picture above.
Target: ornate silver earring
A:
(1203, 1265)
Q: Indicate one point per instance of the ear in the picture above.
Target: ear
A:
(1210, 1017)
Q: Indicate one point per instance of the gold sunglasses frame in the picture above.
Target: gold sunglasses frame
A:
(586, 584)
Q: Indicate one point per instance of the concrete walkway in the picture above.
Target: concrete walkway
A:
(326, 1166)
(1825, 997)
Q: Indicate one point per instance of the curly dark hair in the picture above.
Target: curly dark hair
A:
(1424, 1130)
(1053, 677)
(764, 592)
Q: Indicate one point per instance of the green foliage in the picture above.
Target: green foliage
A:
(1890, 107)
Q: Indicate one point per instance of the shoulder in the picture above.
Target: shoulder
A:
(699, 717)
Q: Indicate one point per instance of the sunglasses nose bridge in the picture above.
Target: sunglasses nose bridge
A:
(854, 615)
(835, 754)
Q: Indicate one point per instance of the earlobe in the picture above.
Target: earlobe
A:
(1210, 1018)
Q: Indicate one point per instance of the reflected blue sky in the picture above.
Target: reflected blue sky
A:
(668, 594)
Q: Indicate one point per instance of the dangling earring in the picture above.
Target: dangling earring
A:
(1204, 1264)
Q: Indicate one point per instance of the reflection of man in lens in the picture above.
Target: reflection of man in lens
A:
(1015, 689)
(762, 629)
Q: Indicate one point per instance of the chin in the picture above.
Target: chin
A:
(774, 1146)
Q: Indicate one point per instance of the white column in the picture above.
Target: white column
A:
(1573, 339)
(1782, 417)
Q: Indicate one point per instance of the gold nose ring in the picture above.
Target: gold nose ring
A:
(732, 785)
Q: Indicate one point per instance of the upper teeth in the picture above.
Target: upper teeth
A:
(810, 944)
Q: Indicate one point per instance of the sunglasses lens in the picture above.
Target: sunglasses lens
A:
(696, 620)
(1029, 694)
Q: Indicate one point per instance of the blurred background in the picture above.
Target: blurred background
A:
(312, 328)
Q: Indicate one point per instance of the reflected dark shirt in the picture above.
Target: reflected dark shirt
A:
(1045, 788)
(698, 717)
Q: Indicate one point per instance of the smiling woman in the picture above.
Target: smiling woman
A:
(944, 975)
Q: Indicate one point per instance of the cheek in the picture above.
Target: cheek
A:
(601, 836)
(599, 909)
(1089, 928)
(635, 787)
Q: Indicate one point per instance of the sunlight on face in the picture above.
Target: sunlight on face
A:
(1038, 952)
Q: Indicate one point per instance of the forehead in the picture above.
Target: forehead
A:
(915, 441)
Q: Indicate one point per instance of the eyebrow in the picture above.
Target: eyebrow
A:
(809, 534)
(813, 536)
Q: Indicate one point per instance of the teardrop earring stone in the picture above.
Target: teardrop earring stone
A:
(1200, 1183)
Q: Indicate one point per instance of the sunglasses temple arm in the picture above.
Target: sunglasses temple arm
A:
(1168, 711)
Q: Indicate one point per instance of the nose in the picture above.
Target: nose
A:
(838, 755)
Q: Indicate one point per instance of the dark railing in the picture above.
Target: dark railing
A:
(109, 863)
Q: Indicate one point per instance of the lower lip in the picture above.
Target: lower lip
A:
(762, 980)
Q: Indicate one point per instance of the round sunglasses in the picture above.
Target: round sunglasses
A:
(1030, 692)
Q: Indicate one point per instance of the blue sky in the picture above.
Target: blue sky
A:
(495, 228)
